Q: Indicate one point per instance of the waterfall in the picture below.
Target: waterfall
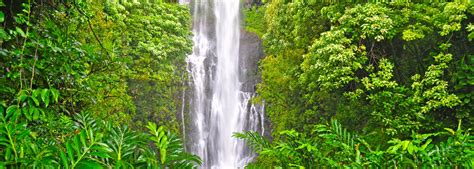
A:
(183, 103)
(183, 1)
(219, 105)
(226, 116)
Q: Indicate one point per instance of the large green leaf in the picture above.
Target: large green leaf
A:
(87, 164)
(11, 110)
(2, 17)
(45, 96)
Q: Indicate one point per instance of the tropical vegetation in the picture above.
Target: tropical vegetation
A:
(97, 84)
(365, 84)
(84, 85)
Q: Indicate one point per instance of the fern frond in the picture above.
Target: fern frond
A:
(342, 134)
(254, 140)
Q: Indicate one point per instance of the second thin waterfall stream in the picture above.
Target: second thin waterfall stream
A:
(219, 93)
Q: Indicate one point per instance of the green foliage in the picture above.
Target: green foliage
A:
(124, 143)
(372, 20)
(420, 151)
(69, 76)
(291, 25)
(91, 144)
(332, 50)
(102, 61)
(322, 147)
(463, 83)
(387, 68)
(331, 145)
(171, 149)
(255, 21)
(279, 88)
(157, 55)
(254, 140)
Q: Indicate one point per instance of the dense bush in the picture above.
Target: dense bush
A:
(386, 69)
(331, 145)
(29, 140)
(74, 79)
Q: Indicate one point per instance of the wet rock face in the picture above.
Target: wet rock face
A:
(251, 52)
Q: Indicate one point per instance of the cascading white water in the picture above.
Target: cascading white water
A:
(183, 1)
(225, 112)
(218, 106)
(199, 79)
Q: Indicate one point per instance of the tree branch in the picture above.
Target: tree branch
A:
(34, 65)
(90, 26)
